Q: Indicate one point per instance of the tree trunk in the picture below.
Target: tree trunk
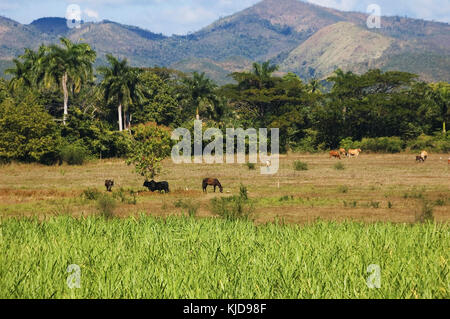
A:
(444, 129)
(119, 110)
(124, 119)
(66, 97)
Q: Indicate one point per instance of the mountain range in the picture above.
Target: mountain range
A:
(309, 40)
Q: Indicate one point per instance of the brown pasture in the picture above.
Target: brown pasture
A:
(371, 188)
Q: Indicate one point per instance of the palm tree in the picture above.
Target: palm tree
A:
(315, 86)
(200, 91)
(31, 71)
(121, 82)
(21, 75)
(263, 71)
(71, 63)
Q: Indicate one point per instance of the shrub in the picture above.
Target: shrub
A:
(106, 206)
(122, 195)
(343, 189)
(91, 194)
(426, 215)
(439, 143)
(348, 143)
(382, 144)
(188, 205)
(251, 166)
(74, 154)
(233, 208)
(339, 166)
(300, 166)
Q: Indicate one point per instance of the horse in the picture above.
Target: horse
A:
(211, 182)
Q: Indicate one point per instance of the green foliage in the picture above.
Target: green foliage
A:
(91, 194)
(382, 145)
(439, 143)
(27, 132)
(150, 146)
(300, 166)
(189, 205)
(126, 196)
(233, 208)
(74, 154)
(94, 135)
(187, 256)
(158, 103)
(339, 166)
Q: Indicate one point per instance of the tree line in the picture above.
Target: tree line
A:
(57, 103)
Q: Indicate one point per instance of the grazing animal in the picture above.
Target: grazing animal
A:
(109, 185)
(212, 182)
(335, 154)
(155, 186)
(419, 159)
(449, 161)
(424, 155)
(354, 153)
(343, 152)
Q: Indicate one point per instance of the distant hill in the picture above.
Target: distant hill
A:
(53, 26)
(307, 39)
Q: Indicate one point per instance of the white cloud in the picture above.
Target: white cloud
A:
(92, 14)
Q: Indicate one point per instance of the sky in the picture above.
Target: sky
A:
(184, 16)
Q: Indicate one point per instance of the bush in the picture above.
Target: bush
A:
(348, 143)
(426, 215)
(382, 144)
(339, 166)
(251, 166)
(122, 195)
(91, 194)
(74, 154)
(106, 206)
(233, 208)
(188, 205)
(95, 136)
(300, 166)
(439, 143)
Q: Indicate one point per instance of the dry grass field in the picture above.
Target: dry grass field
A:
(370, 188)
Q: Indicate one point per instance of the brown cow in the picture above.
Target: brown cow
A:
(212, 182)
(419, 159)
(343, 152)
(354, 153)
(424, 155)
(335, 154)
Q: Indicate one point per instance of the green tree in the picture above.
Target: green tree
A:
(158, 104)
(121, 84)
(150, 146)
(197, 94)
(439, 94)
(27, 132)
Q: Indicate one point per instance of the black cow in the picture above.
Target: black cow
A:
(155, 186)
(109, 185)
(420, 159)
